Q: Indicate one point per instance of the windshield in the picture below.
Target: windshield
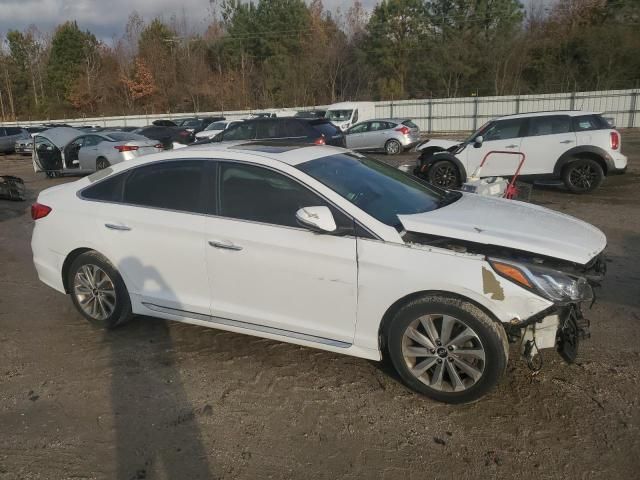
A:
(217, 126)
(120, 136)
(381, 191)
(339, 115)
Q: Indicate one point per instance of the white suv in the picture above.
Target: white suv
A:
(325, 248)
(579, 148)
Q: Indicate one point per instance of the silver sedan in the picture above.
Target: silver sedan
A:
(99, 150)
(393, 135)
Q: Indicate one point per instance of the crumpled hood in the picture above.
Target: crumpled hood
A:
(513, 224)
(438, 142)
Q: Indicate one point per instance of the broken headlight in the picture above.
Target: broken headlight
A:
(554, 285)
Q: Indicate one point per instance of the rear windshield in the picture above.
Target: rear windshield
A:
(327, 129)
(590, 122)
(122, 136)
(381, 191)
(409, 124)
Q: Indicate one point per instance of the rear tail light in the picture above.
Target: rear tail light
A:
(39, 210)
(126, 148)
(615, 140)
(403, 130)
(320, 141)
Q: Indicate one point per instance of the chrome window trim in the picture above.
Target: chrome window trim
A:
(219, 160)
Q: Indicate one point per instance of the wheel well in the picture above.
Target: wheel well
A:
(591, 156)
(388, 316)
(431, 150)
(66, 265)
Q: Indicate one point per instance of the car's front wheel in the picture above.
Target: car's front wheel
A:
(98, 291)
(447, 349)
(444, 174)
(583, 175)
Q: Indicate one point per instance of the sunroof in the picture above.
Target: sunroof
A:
(269, 147)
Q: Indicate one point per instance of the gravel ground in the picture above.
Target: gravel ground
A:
(161, 400)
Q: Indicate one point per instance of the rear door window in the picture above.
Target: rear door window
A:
(108, 190)
(176, 185)
(270, 129)
(13, 131)
(551, 125)
(295, 128)
(242, 131)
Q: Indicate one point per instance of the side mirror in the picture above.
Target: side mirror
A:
(477, 142)
(317, 219)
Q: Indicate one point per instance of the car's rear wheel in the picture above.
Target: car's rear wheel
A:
(444, 174)
(392, 147)
(98, 291)
(102, 163)
(583, 175)
(447, 349)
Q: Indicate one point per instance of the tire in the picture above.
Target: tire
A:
(90, 272)
(442, 371)
(102, 163)
(444, 174)
(583, 175)
(392, 147)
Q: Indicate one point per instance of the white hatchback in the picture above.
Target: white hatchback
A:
(325, 248)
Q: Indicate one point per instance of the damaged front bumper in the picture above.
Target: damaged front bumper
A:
(558, 327)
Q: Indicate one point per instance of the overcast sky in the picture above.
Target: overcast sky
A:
(107, 18)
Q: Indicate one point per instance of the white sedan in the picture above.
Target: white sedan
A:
(325, 248)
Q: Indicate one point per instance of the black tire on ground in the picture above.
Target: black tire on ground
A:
(583, 175)
(489, 337)
(392, 147)
(444, 174)
(102, 163)
(77, 278)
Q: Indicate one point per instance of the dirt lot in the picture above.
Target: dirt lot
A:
(170, 401)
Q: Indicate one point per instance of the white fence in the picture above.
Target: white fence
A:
(436, 115)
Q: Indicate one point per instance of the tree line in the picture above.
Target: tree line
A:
(283, 53)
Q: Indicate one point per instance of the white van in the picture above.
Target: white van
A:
(345, 114)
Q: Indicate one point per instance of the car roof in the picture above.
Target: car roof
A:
(570, 113)
(255, 152)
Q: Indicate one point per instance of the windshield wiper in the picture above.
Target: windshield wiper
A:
(448, 198)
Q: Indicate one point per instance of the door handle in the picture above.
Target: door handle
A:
(225, 246)
(511, 146)
(567, 141)
(112, 226)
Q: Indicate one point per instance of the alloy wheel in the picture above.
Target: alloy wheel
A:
(444, 176)
(583, 177)
(443, 352)
(95, 292)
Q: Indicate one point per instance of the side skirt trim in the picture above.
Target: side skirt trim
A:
(247, 326)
